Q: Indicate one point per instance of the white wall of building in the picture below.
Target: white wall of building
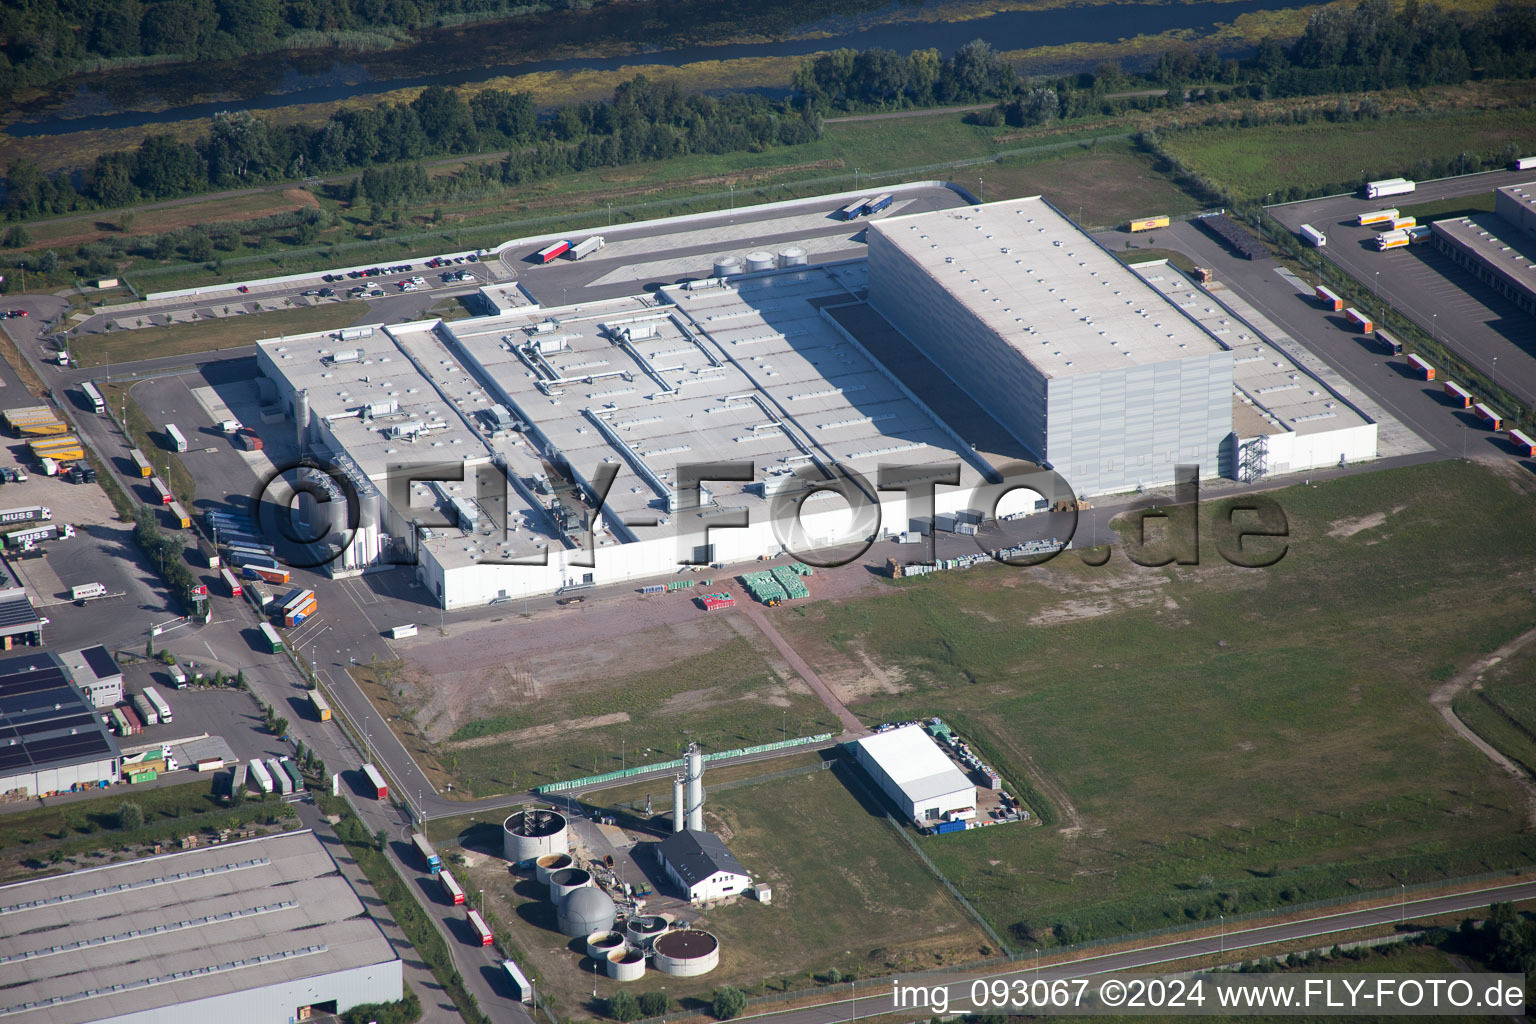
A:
(55, 780)
(277, 1004)
(1292, 453)
(717, 886)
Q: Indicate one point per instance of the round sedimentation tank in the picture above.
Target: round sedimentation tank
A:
(563, 883)
(685, 954)
(793, 256)
(727, 265)
(584, 911)
(757, 261)
(600, 944)
(626, 965)
(549, 864)
(642, 930)
(529, 835)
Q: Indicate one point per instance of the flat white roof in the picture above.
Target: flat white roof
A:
(913, 760)
(1044, 285)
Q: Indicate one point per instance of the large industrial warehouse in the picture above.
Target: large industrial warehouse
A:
(51, 737)
(254, 932)
(551, 446)
(1499, 248)
(918, 777)
(1062, 343)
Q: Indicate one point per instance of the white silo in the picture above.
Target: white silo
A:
(695, 765)
(759, 261)
(529, 835)
(679, 804)
(725, 266)
(687, 953)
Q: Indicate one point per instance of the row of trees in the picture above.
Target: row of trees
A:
(643, 121)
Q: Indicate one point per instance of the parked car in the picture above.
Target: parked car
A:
(312, 292)
(242, 289)
(20, 312)
(326, 293)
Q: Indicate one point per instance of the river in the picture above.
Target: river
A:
(474, 53)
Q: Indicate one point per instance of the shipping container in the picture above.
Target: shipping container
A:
(1312, 236)
(586, 247)
(1389, 342)
(1360, 320)
(261, 775)
(853, 210)
(380, 788)
(249, 440)
(179, 516)
(551, 252)
(93, 397)
(119, 723)
(295, 776)
(429, 856)
(879, 203)
(146, 710)
(451, 889)
(1377, 217)
(162, 708)
(1425, 371)
(321, 705)
(265, 574)
(1388, 187)
(1329, 298)
(1523, 443)
(522, 990)
(141, 464)
(178, 442)
(1149, 223)
(235, 589)
(135, 723)
(270, 635)
(280, 777)
(1524, 163)
(1458, 394)
(1488, 416)
(401, 632)
(477, 925)
(162, 492)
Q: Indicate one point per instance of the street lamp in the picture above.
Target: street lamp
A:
(1223, 932)
(1403, 893)
(981, 190)
(733, 197)
(1495, 371)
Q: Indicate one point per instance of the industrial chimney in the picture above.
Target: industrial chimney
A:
(695, 768)
(678, 804)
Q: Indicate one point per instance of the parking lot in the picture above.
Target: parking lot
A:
(1456, 308)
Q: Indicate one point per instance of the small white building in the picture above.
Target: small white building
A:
(95, 672)
(919, 778)
(702, 867)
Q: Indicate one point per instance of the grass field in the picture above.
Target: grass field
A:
(1214, 739)
(85, 833)
(1501, 707)
(72, 231)
(867, 909)
(121, 346)
(731, 697)
(1250, 162)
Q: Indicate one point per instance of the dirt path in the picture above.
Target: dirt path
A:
(850, 721)
(1448, 691)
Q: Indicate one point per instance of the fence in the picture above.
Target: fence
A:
(644, 769)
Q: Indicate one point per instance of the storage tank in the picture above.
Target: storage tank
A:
(686, 954)
(529, 835)
(793, 256)
(600, 944)
(584, 911)
(549, 864)
(642, 930)
(758, 261)
(679, 804)
(727, 265)
(626, 965)
(563, 883)
(695, 762)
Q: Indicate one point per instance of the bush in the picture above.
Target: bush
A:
(130, 816)
(405, 1011)
(654, 1004)
(728, 1002)
(623, 1005)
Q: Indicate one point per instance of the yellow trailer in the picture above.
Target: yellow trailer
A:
(1148, 223)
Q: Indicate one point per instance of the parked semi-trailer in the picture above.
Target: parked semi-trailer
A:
(119, 722)
(162, 708)
(1329, 298)
(280, 777)
(522, 991)
(295, 777)
(1424, 370)
(1377, 217)
(1312, 236)
(551, 252)
(162, 492)
(321, 705)
(147, 713)
(235, 589)
(451, 890)
(1458, 394)
(25, 540)
(93, 397)
(881, 202)
(30, 514)
(429, 856)
(261, 775)
(135, 723)
(1419, 233)
(1522, 442)
(1148, 224)
(1524, 163)
(1389, 342)
(1404, 223)
(1388, 187)
(1360, 320)
(853, 210)
(299, 607)
(265, 573)
(1488, 416)
(1391, 240)
(141, 464)
(380, 788)
(586, 247)
(179, 516)
(478, 926)
(178, 442)
(273, 639)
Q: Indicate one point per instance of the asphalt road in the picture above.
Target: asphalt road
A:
(1423, 283)
(879, 1000)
